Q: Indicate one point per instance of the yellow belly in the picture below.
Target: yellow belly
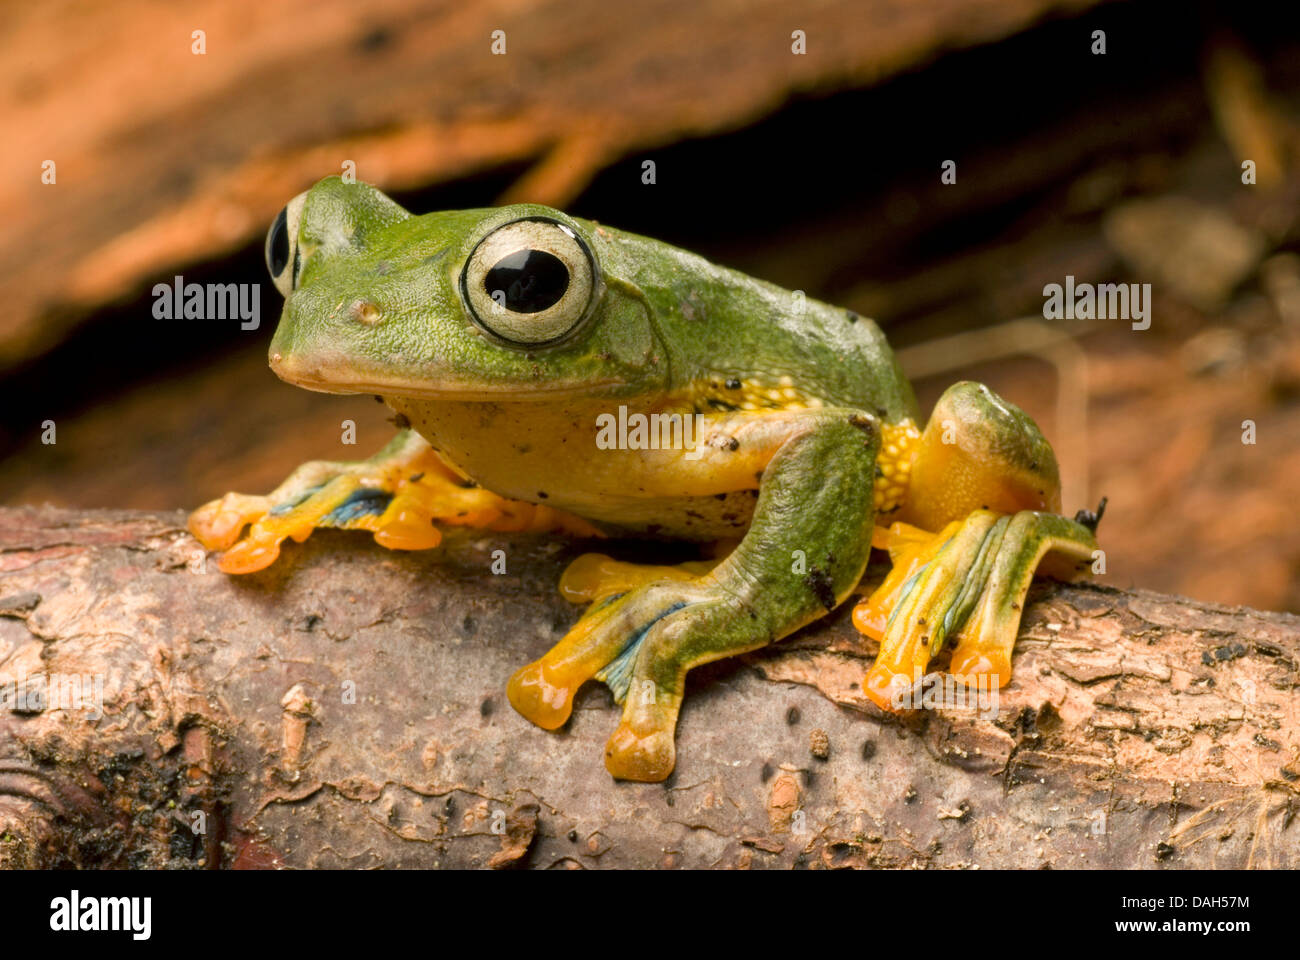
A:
(547, 453)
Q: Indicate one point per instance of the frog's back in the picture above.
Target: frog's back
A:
(725, 331)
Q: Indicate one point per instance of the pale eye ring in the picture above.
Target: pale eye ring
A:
(283, 258)
(529, 281)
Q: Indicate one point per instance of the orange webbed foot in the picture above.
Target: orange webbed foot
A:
(403, 495)
(967, 582)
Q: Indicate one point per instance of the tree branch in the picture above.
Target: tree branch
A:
(1138, 729)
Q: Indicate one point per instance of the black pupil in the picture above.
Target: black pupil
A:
(277, 245)
(531, 281)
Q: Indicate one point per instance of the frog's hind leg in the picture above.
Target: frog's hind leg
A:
(968, 582)
(986, 479)
(400, 495)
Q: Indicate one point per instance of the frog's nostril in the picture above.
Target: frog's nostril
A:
(290, 367)
(366, 312)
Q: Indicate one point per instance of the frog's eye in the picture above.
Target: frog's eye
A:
(282, 256)
(529, 281)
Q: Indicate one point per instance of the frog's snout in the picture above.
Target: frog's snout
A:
(280, 365)
(290, 368)
(326, 371)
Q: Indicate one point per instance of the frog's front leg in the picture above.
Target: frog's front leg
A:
(400, 494)
(805, 550)
(986, 479)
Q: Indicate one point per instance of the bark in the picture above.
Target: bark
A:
(1140, 730)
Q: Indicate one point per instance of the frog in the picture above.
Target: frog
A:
(524, 351)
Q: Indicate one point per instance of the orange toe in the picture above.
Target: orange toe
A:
(648, 758)
(536, 695)
(409, 528)
(885, 686)
(217, 524)
(973, 665)
(249, 556)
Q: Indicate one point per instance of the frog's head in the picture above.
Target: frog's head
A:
(510, 303)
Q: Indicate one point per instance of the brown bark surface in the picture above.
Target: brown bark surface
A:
(1140, 730)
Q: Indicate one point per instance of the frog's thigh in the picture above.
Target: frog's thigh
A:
(986, 478)
(805, 551)
(979, 452)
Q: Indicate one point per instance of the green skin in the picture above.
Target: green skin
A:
(375, 304)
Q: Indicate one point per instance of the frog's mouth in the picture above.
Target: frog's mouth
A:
(340, 377)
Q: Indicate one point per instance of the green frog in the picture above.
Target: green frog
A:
(551, 374)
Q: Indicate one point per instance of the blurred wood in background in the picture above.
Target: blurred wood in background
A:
(166, 158)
